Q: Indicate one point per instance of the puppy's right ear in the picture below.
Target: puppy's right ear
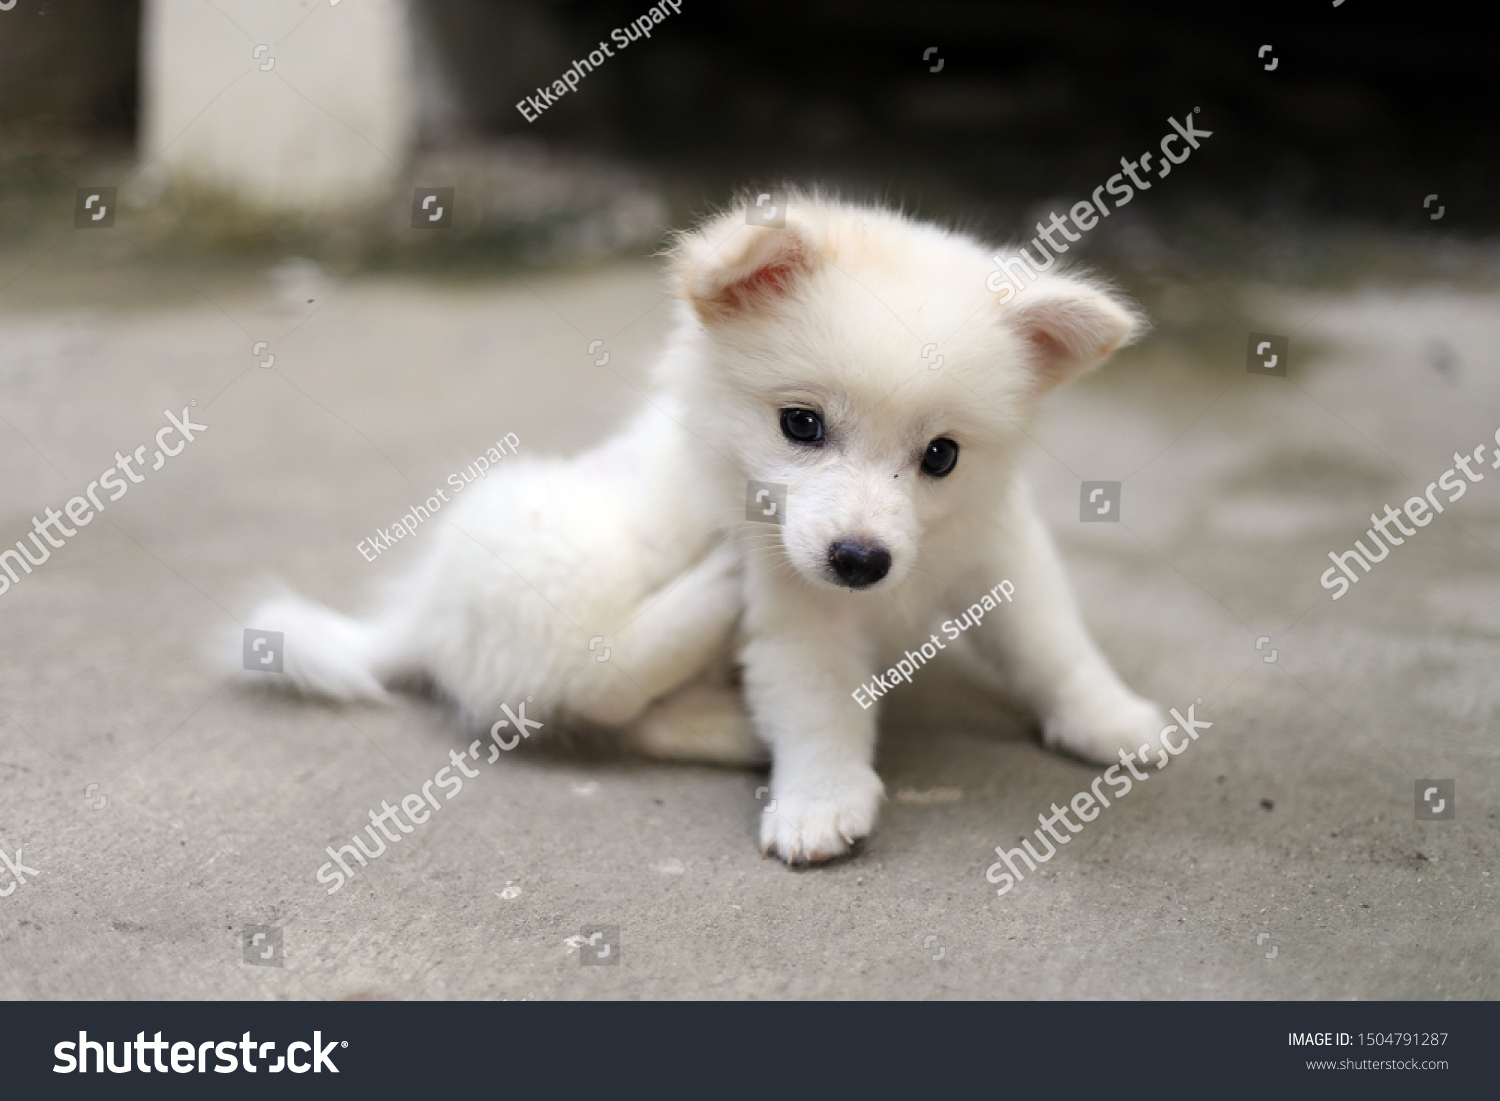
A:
(1070, 326)
(728, 269)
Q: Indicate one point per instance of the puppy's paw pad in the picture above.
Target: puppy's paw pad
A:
(817, 824)
(1098, 730)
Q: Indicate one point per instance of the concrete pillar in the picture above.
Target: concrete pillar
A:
(292, 105)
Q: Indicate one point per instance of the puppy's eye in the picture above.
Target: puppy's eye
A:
(801, 426)
(941, 457)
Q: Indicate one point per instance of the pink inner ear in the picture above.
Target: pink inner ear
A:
(767, 282)
(1050, 350)
(1046, 335)
(1070, 335)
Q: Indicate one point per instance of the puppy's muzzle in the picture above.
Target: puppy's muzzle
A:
(858, 565)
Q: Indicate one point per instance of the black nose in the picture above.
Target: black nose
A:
(859, 565)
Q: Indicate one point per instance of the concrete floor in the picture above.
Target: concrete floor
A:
(1293, 816)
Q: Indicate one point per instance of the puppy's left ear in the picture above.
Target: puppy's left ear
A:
(1070, 327)
(728, 269)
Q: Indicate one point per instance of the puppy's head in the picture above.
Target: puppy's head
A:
(858, 358)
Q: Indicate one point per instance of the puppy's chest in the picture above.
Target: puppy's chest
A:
(903, 619)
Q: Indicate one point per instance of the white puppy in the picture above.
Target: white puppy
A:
(616, 587)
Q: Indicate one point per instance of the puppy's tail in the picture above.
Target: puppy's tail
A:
(324, 653)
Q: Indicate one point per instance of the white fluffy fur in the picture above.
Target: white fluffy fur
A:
(644, 541)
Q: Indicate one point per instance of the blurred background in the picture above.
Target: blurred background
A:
(1325, 144)
(261, 260)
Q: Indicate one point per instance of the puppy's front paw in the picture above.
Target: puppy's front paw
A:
(816, 822)
(1098, 726)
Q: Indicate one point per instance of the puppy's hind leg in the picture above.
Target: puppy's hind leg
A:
(670, 637)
